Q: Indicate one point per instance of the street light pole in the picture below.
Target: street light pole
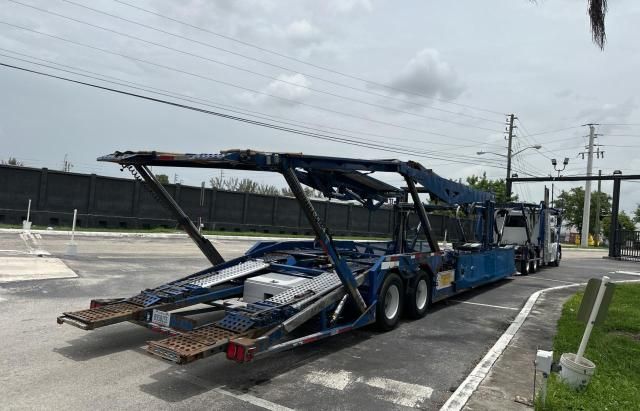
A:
(511, 119)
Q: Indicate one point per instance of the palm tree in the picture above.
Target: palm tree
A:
(597, 11)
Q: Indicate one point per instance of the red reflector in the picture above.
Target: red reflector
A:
(231, 351)
(240, 353)
(166, 157)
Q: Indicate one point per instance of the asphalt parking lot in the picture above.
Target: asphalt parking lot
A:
(417, 365)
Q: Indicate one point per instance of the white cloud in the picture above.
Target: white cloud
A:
(289, 87)
(301, 32)
(427, 74)
(350, 6)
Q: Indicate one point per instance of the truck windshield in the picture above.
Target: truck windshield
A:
(515, 221)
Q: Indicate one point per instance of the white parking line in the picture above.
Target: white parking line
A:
(393, 391)
(485, 305)
(248, 398)
(268, 405)
(548, 279)
(624, 272)
(337, 380)
(398, 392)
(464, 391)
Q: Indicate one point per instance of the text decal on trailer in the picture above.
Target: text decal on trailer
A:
(444, 279)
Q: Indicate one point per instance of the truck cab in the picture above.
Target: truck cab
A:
(533, 230)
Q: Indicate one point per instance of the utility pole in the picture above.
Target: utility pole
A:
(586, 211)
(597, 230)
(511, 127)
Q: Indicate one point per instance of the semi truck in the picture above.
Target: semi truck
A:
(284, 294)
(534, 232)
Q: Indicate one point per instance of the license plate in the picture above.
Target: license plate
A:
(161, 318)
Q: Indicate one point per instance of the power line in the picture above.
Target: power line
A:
(244, 56)
(620, 124)
(226, 116)
(282, 55)
(551, 131)
(167, 93)
(225, 83)
(255, 73)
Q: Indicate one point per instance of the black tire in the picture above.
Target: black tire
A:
(419, 296)
(524, 267)
(390, 302)
(533, 265)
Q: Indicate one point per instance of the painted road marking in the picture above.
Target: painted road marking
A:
(393, 391)
(624, 272)
(398, 392)
(336, 380)
(32, 244)
(248, 398)
(268, 405)
(459, 398)
(485, 305)
(549, 279)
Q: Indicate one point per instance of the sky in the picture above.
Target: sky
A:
(430, 81)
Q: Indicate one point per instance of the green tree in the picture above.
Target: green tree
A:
(636, 214)
(162, 178)
(310, 192)
(625, 221)
(245, 185)
(497, 187)
(572, 204)
(12, 161)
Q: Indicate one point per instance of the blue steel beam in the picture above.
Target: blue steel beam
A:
(444, 189)
(342, 269)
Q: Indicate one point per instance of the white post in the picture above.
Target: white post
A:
(592, 318)
(73, 224)
(26, 224)
(72, 247)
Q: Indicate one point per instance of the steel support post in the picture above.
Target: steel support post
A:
(422, 214)
(205, 245)
(342, 269)
(614, 250)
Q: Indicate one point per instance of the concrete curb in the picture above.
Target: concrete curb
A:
(464, 392)
(112, 234)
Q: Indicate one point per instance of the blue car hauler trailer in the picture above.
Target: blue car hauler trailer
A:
(283, 294)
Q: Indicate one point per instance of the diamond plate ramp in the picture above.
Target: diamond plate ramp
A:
(192, 345)
(101, 316)
(227, 274)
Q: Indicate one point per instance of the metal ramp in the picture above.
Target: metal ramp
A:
(164, 296)
(193, 345)
(213, 338)
(227, 274)
(101, 316)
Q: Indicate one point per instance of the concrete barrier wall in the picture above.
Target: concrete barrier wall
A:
(108, 202)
